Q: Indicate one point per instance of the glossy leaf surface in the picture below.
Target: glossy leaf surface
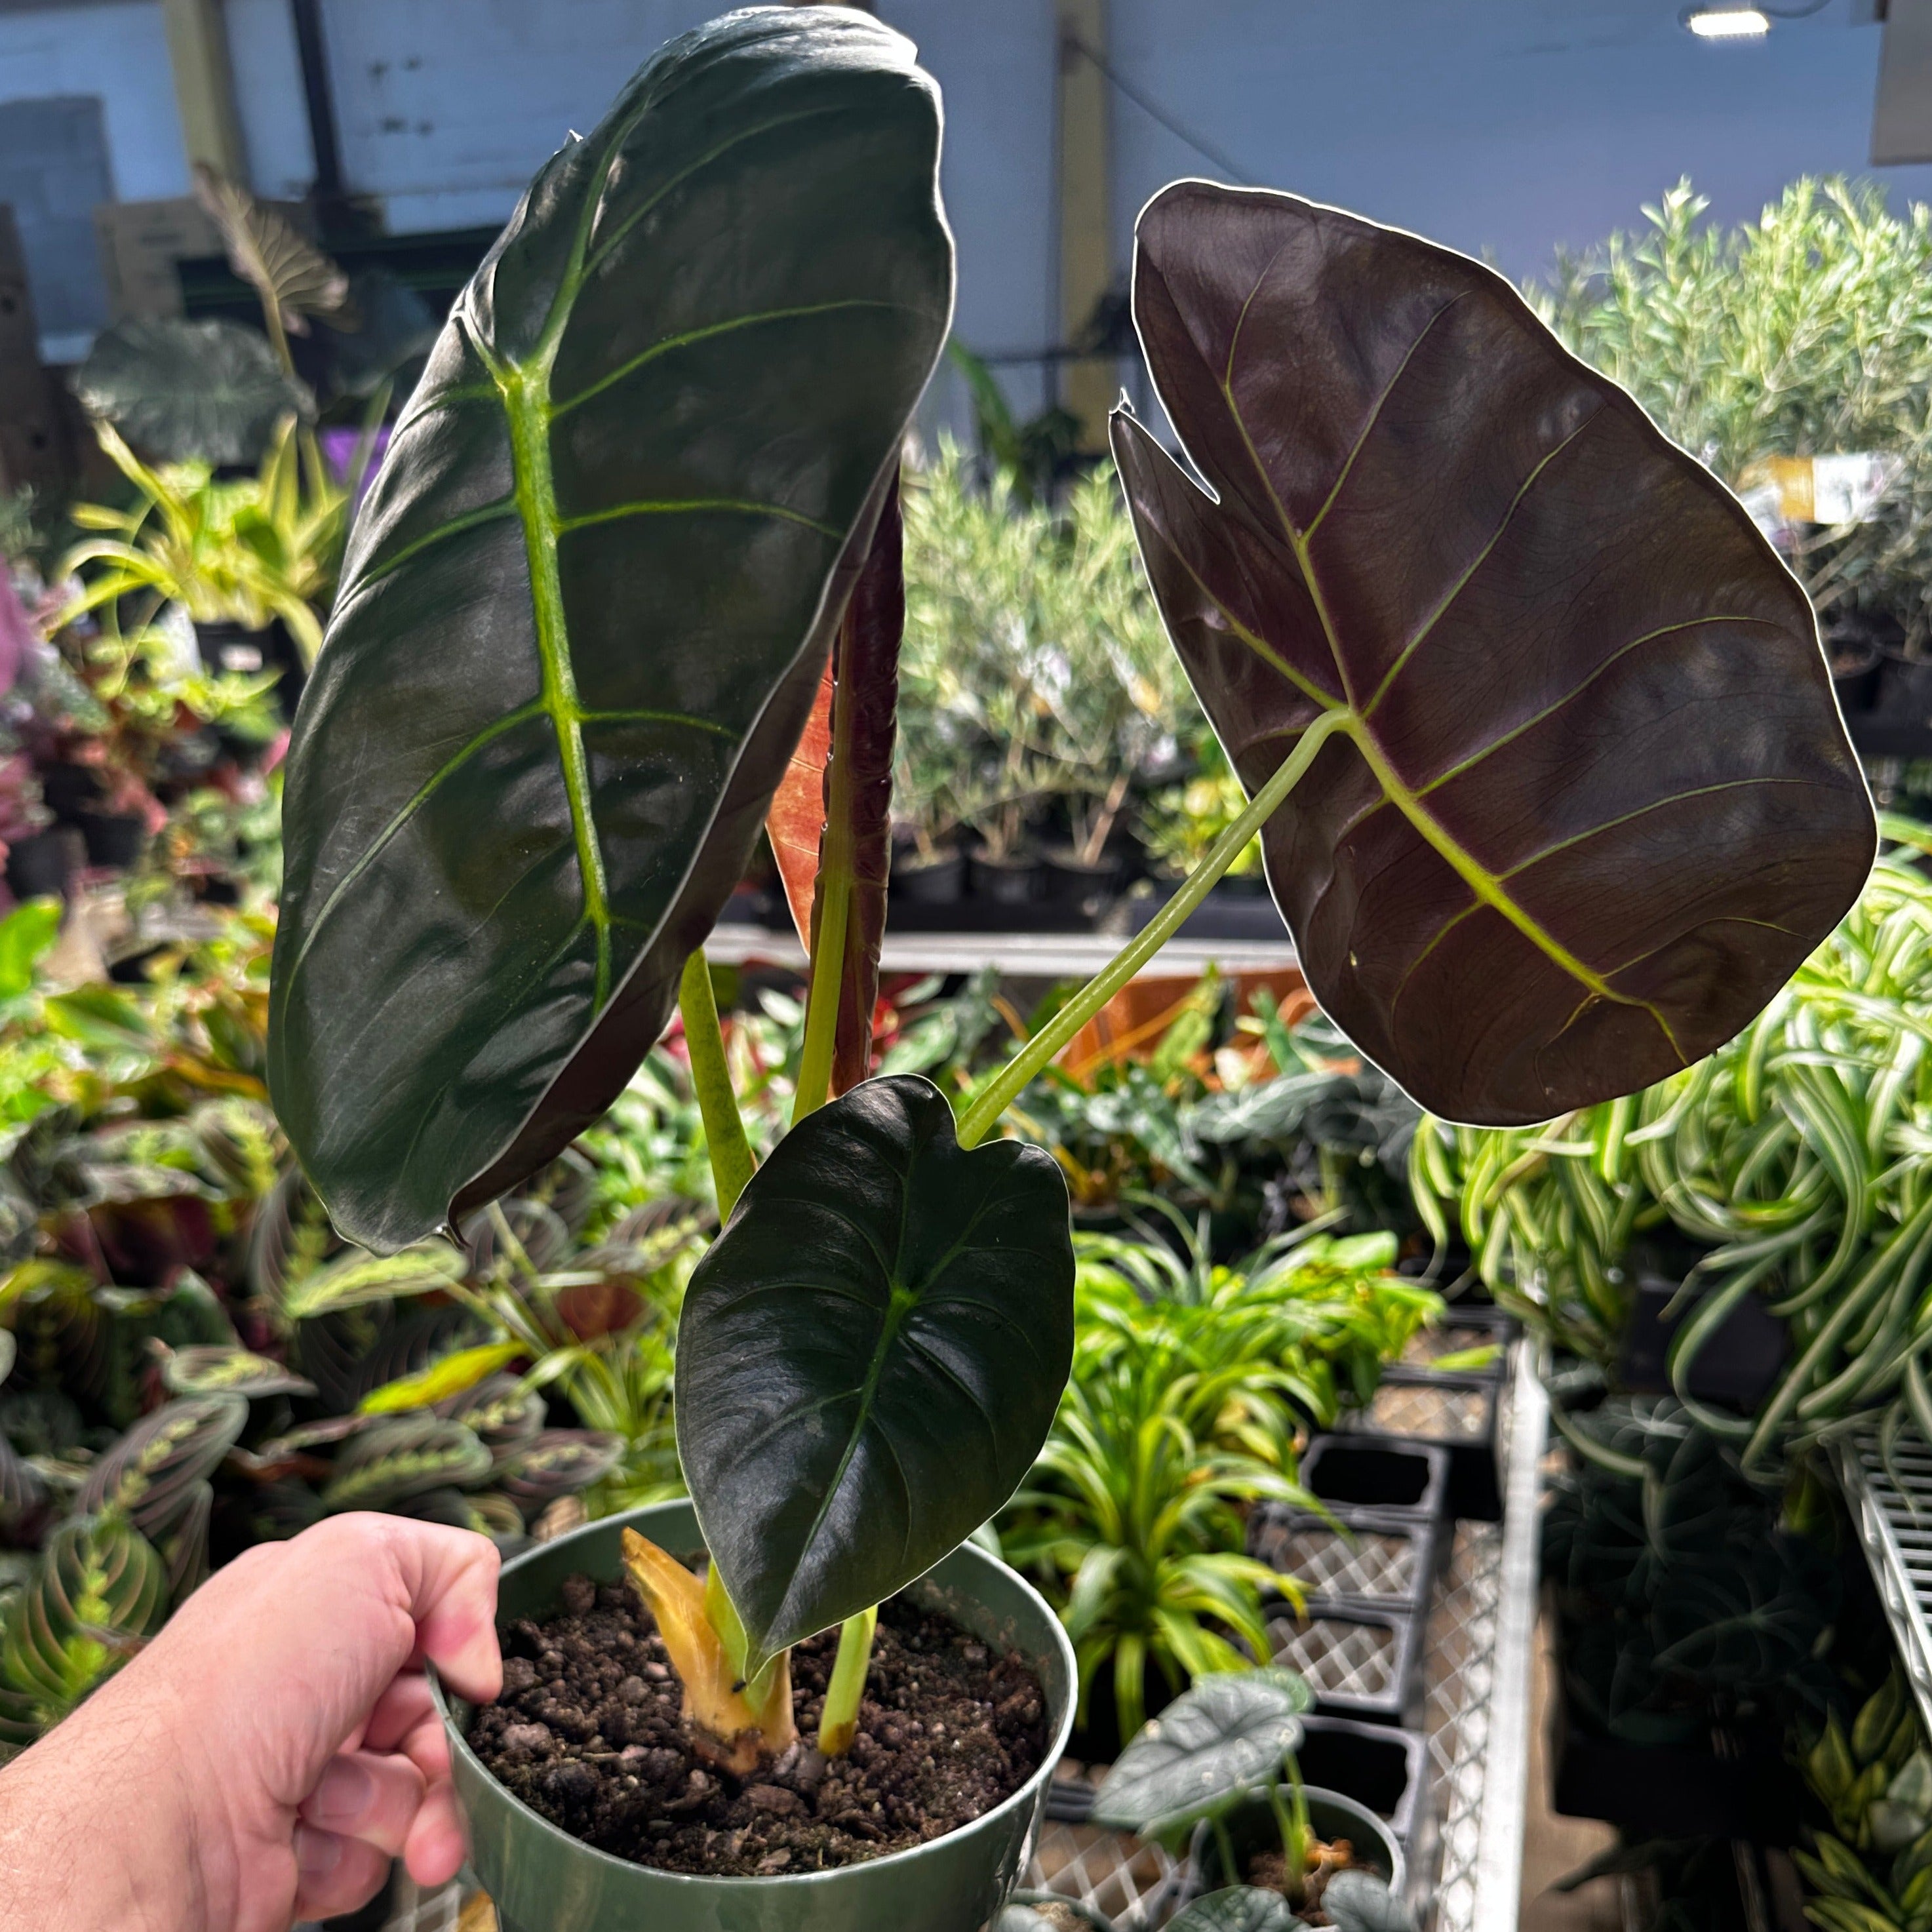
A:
(869, 1355)
(1223, 1736)
(1584, 800)
(587, 603)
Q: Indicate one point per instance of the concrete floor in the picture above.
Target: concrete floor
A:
(1553, 1847)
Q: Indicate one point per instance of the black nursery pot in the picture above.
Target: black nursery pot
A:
(1252, 1828)
(41, 865)
(114, 839)
(233, 647)
(940, 882)
(1007, 882)
(1068, 884)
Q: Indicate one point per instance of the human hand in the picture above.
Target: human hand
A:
(266, 1756)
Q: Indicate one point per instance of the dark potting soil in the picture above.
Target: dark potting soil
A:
(1269, 1871)
(590, 1732)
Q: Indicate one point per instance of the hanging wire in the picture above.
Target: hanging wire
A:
(1153, 110)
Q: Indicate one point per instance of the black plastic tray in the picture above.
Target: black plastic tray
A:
(1384, 1474)
(1385, 1560)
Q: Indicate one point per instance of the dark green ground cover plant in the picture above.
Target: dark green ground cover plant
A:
(1688, 1602)
(679, 385)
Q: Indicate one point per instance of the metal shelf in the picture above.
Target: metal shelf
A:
(1891, 1507)
(1046, 955)
(1477, 1676)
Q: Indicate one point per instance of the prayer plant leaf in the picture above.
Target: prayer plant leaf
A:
(587, 602)
(405, 1457)
(151, 1475)
(869, 1355)
(1583, 800)
(215, 1368)
(1226, 1734)
(98, 1592)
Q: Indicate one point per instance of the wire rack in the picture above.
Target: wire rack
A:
(1890, 1502)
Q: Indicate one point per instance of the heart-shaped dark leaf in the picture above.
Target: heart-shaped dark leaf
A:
(151, 1475)
(1240, 1908)
(1360, 1901)
(587, 603)
(1583, 800)
(869, 1355)
(1223, 1736)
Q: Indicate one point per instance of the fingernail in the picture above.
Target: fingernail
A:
(342, 1794)
(317, 1854)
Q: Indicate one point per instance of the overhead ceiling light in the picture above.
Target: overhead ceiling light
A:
(1726, 23)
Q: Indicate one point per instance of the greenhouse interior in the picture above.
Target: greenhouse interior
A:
(1236, 696)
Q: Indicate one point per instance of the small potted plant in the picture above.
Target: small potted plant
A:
(1577, 799)
(1218, 1766)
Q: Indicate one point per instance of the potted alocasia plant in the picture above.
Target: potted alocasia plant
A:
(1218, 1766)
(1539, 741)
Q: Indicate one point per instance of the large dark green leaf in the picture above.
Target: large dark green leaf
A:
(588, 601)
(1223, 1736)
(869, 1355)
(177, 390)
(1583, 800)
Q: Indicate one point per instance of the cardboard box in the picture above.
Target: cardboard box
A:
(140, 243)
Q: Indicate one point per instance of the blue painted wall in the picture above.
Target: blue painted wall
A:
(1504, 127)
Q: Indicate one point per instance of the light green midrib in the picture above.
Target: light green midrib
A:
(525, 391)
(1483, 884)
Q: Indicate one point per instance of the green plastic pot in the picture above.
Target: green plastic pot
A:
(1251, 1828)
(543, 1880)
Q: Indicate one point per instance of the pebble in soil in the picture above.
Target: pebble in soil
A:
(590, 1732)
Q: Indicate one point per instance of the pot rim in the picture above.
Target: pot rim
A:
(1027, 1794)
(1398, 1878)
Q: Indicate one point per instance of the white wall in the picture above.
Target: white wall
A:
(1500, 127)
(269, 97)
(118, 51)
